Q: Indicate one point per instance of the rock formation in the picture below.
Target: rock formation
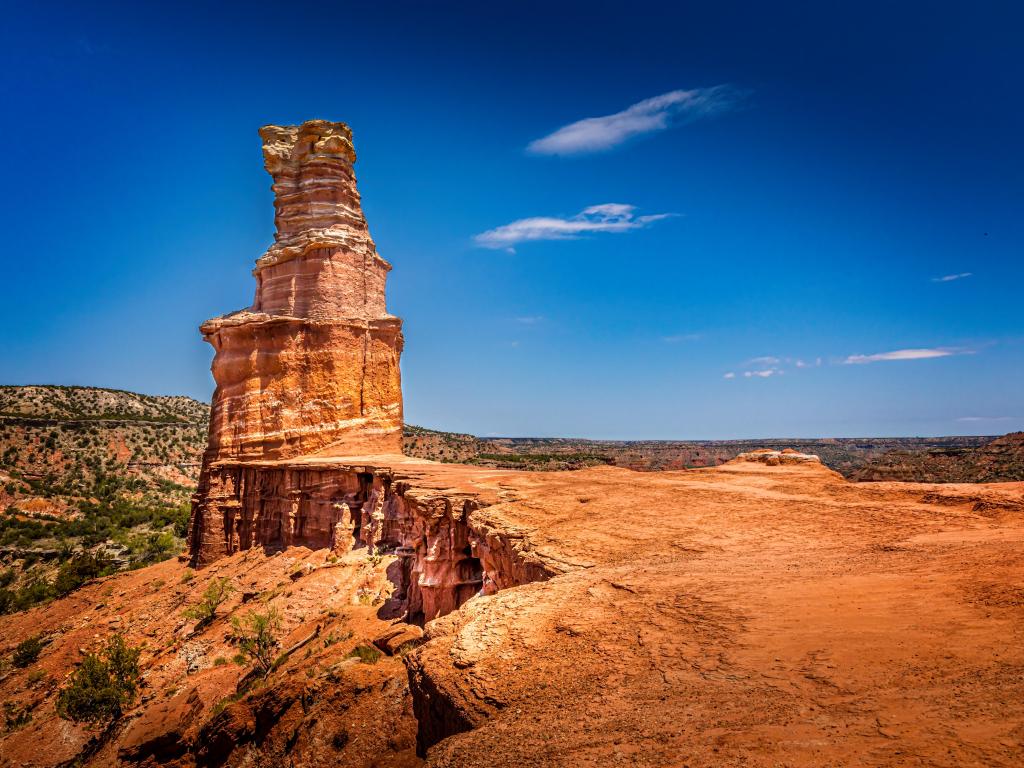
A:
(313, 365)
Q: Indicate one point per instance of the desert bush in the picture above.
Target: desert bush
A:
(81, 568)
(27, 651)
(255, 637)
(15, 716)
(102, 686)
(217, 591)
(367, 654)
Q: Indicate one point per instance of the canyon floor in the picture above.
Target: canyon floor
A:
(748, 614)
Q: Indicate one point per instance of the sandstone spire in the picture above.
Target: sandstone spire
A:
(312, 365)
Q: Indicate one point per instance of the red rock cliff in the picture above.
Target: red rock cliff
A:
(313, 364)
(312, 367)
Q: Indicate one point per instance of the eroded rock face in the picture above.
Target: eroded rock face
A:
(448, 549)
(314, 364)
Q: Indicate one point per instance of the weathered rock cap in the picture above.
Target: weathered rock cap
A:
(287, 144)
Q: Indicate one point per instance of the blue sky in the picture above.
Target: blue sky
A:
(609, 220)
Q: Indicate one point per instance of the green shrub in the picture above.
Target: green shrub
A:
(27, 651)
(102, 686)
(217, 591)
(255, 637)
(81, 568)
(15, 716)
(368, 654)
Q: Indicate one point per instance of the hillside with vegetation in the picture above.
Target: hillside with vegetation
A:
(91, 481)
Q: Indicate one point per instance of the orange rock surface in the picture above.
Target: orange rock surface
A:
(758, 613)
(313, 364)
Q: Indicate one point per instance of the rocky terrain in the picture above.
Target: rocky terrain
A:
(57, 442)
(766, 611)
(849, 456)
(1001, 459)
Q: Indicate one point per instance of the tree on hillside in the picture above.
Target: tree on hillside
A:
(255, 637)
(102, 686)
(218, 590)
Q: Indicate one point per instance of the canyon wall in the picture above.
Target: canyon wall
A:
(446, 554)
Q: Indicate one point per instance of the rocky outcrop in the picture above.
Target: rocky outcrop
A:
(448, 549)
(313, 365)
(774, 458)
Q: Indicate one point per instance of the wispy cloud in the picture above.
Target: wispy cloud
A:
(906, 354)
(764, 360)
(680, 337)
(597, 134)
(762, 374)
(608, 217)
(951, 278)
(730, 375)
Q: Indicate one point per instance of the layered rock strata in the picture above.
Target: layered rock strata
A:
(448, 549)
(313, 365)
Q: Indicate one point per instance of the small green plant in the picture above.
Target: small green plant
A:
(36, 676)
(102, 686)
(27, 651)
(367, 654)
(374, 556)
(187, 577)
(224, 703)
(240, 659)
(218, 590)
(15, 716)
(255, 637)
(220, 661)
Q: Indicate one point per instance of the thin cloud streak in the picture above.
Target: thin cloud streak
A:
(598, 134)
(951, 278)
(905, 354)
(607, 217)
(679, 337)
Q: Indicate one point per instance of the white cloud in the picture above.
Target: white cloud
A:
(608, 217)
(986, 418)
(596, 134)
(764, 374)
(904, 354)
(729, 375)
(681, 337)
(765, 360)
(950, 278)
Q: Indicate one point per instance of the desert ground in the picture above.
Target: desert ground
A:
(749, 614)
